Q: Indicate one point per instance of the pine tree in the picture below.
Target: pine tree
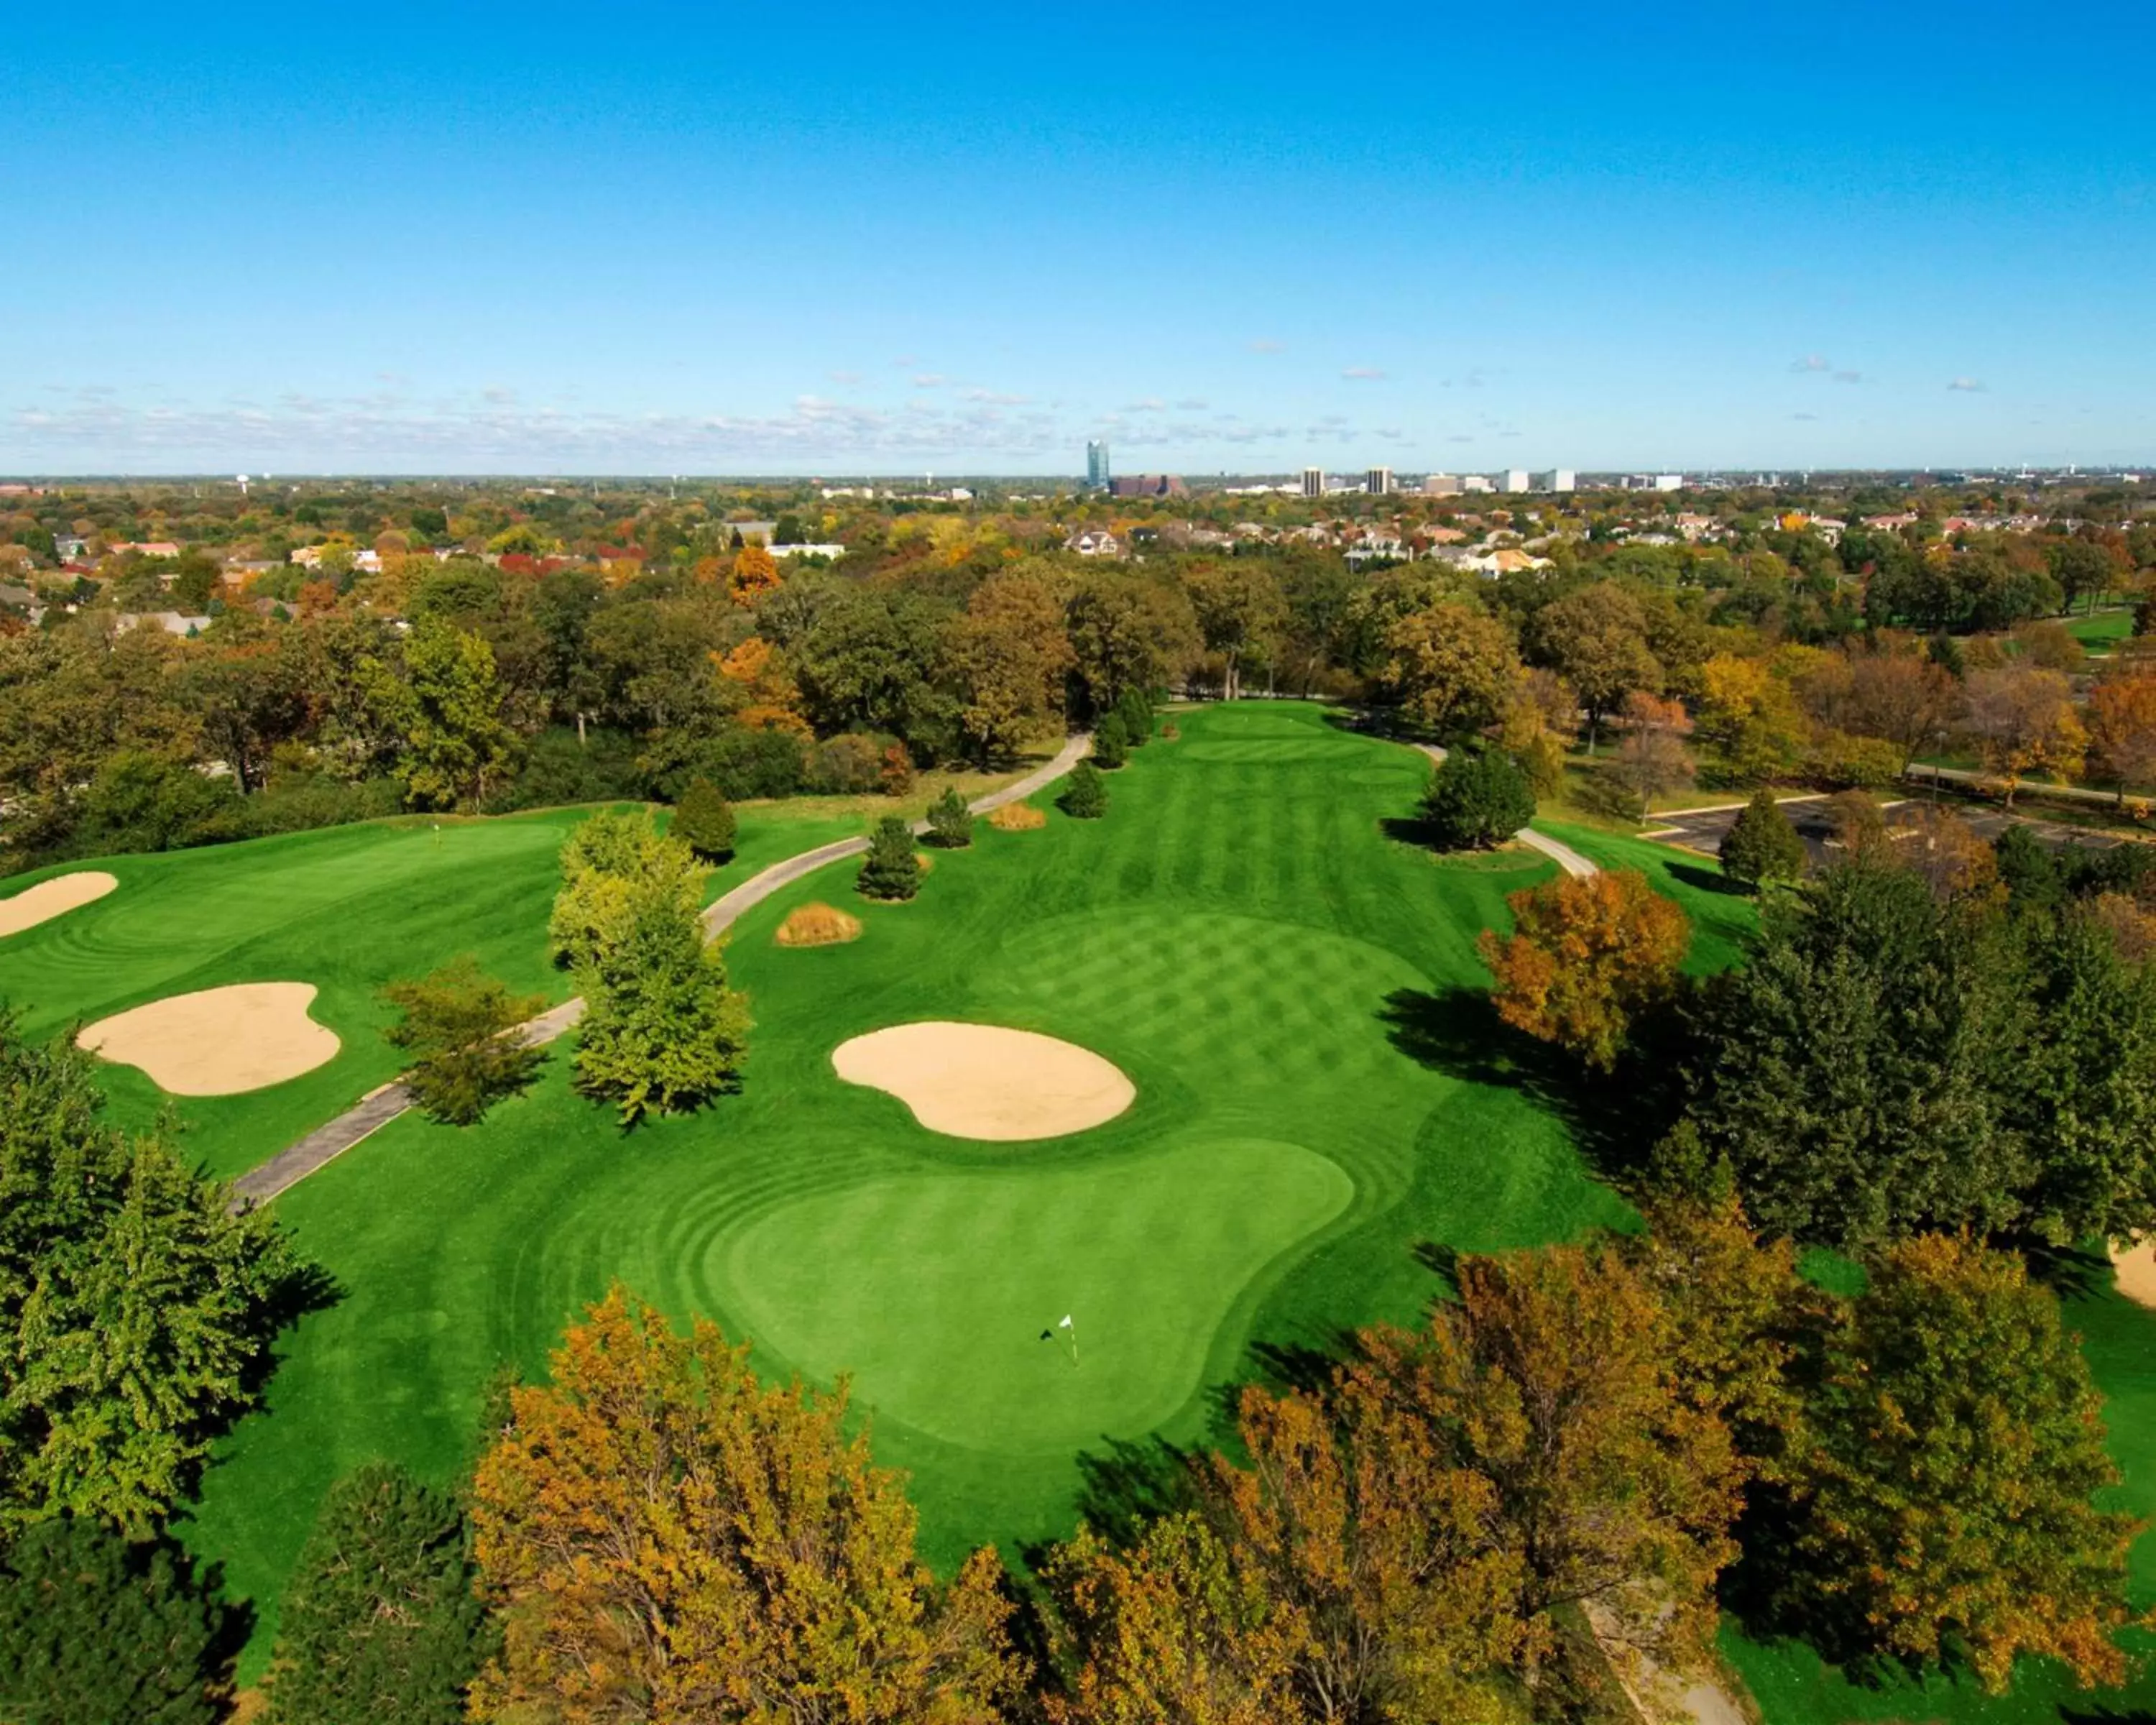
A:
(704, 821)
(380, 1622)
(1085, 796)
(1762, 846)
(891, 871)
(1112, 743)
(950, 822)
(1479, 797)
(94, 1630)
(1135, 710)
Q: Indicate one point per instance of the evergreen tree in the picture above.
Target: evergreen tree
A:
(2029, 873)
(460, 1023)
(1957, 1442)
(380, 1622)
(137, 1311)
(1085, 796)
(704, 821)
(892, 871)
(95, 1631)
(1762, 846)
(950, 822)
(662, 1032)
(1135, 709)
(1478, 799)
(1112, 743)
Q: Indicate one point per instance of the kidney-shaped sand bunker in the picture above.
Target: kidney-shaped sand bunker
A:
(220, 1042)
(984, 1081)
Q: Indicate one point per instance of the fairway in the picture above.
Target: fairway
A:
(1238, 937)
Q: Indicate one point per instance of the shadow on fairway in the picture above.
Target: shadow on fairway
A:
(1614, 1118)
(2071, 1272)
(1707, 880)
(1412, 830)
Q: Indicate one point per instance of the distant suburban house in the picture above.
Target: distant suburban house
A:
(1094, 542)
(148, 547)
(173, 623)
(751, 532)
(833, 551)
(69, 547)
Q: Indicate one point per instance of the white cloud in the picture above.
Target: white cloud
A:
(1967, 386)
(847, 378)
(1363, 374)
(1266, 347)
(1812, 362)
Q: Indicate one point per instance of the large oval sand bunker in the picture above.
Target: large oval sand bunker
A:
(219, 1042)
(984, 1081)
(51, 898)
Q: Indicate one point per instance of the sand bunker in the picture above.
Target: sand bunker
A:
(983, 1081)
(51, 898)
(219, 1042)
(2137, 1271)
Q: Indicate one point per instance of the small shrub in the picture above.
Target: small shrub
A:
(1135, 710)
(850, 764)
(1171, 733)
(891, 871)
(704, 821)
(897, 777)
(1085, 796)
(1112, 743)
(1478, 798)
(1017, 818)
(1762, 846)
(950, 822)
(816, 925)
(460, 1023)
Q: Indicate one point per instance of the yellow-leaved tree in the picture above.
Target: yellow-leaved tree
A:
(666, 1539)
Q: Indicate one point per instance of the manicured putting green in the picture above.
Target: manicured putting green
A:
(949, 1317)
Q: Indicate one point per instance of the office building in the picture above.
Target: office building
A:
(1557, 478)
(1096, 466)
(1149, 485)
(1513, 479)
(1441, 485)
(1313, 482)
(1379, 481)
(1669, 482)
(1476, 482)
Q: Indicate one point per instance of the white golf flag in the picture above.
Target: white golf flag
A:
(1065, 1324)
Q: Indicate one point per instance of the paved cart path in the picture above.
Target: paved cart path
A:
(326, 1142)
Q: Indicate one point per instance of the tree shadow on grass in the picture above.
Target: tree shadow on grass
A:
(1411, 830)
(1707, 880)
(1614, 1117)
(2071, 1272)
(2106, 1716)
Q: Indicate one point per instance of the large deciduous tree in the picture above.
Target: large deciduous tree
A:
(2023, 720)
(448, 706)
(2122, 726)
(1240, 611)
(1452, 668)
(1596, 639)
(460, 1025)
(1011, 656)
(1127, 632)
(1955, 1442)
(667, 1539)
(1585, 958)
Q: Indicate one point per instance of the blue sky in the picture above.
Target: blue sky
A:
(836, 239)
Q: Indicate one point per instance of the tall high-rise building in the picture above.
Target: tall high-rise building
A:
(1557, 478)
(1379, 481)
(1313, 482)
(1513, 479)
(1096, 465)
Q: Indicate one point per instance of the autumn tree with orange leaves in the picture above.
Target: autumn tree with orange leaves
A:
(1585, 958)
(1400, 1543)
(754, 574)
(2122, 725)
(664, 1539)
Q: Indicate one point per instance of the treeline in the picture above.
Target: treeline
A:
(495, 686)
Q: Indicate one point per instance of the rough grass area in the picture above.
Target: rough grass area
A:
(817, 925)
(1017, 818)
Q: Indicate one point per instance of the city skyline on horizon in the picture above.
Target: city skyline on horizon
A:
(472, 246)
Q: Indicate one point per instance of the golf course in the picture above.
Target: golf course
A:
(1300, 1103)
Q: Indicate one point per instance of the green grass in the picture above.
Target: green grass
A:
(2103, 630)
(348, 909)
(1229, 936)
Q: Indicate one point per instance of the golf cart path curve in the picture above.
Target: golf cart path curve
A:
(1563, 856)
(289, 1166)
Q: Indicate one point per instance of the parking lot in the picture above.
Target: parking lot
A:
(1703, 829)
